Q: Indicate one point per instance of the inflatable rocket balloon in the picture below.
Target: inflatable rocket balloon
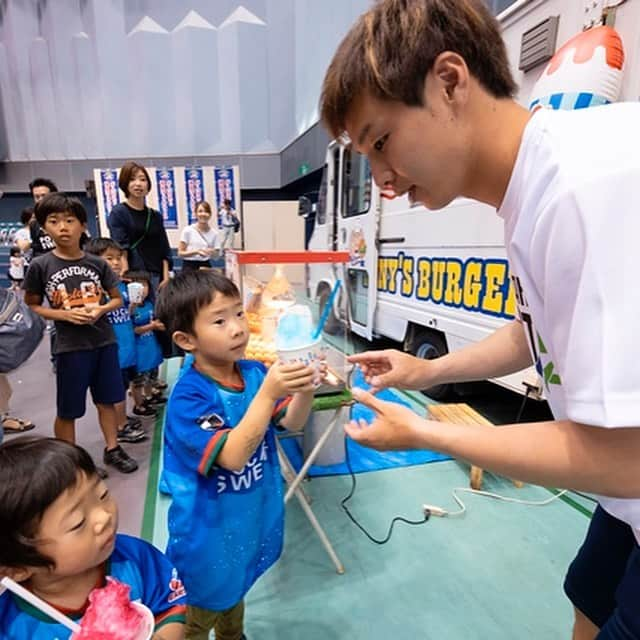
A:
(585, 72)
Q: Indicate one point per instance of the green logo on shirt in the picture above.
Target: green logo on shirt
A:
(550, 377)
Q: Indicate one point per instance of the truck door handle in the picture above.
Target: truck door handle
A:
(399, 240)
(343, 235)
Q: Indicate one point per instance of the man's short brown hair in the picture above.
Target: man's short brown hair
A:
(128, 170)
(391, 48)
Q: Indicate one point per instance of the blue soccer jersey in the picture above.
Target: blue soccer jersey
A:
(123, 328)
(148, 351)
(152, 578)
(225, 527)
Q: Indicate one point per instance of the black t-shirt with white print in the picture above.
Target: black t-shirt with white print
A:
(41, 241)
(69, 284)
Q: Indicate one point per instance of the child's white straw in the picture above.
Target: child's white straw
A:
(40, 604)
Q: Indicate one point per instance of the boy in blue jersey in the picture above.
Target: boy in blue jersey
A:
(226, 518)
(58, 538)
(148, 350)
(129, 428)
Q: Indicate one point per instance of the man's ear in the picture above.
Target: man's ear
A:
(184, 340)
(451, 76)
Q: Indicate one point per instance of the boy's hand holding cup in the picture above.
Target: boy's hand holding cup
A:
(295, 342)
(284, 379)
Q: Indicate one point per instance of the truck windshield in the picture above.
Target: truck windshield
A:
(357, 184)
(321, 206)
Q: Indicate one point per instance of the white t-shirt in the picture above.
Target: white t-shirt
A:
(16, 267)
(572, 227)
(196, 239)
(228, 217)
(22, 234)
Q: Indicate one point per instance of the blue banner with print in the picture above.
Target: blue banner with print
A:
(167, 197)
(110, 195)
(225, 190)
(195, 190)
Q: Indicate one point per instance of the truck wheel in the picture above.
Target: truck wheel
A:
(429, 345)
(332, 325)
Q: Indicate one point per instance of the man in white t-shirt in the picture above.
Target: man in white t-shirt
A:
(440, 122)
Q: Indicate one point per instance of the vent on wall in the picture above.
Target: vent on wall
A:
(538, 43)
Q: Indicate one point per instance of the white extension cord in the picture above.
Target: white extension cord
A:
(435, 510)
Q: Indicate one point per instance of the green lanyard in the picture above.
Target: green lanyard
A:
(146, 228)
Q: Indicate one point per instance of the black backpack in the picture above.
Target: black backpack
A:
(21, 330)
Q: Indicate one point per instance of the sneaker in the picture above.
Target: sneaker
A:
(136, 422)
(155, 400)
(131, 433)
(161, 385)
(119, 459)
(145, 410)
(102, 473)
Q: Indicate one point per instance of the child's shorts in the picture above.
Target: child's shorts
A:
(603, 581)
(227, 624)
(95, 369)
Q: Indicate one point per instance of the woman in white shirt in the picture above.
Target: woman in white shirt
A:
(199, 242)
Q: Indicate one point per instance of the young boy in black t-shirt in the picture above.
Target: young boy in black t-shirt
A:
(76, 284)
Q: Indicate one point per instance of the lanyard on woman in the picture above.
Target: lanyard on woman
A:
(144, 233)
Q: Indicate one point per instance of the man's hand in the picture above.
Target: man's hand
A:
(395, 427)
(392, 368)
(157, 325)
(284, 379)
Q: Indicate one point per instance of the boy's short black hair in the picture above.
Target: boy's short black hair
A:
(34, 472)
(138, 276)
(26, 215)
(182, 298)
(99, 246)
(59, 203)
(43, 182)
(14, 251)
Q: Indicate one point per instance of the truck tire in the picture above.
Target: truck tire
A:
(429, 345)
(332, 325)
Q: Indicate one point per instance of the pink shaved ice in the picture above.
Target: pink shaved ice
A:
(110, 615)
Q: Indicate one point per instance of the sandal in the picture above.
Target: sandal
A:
(10, 424)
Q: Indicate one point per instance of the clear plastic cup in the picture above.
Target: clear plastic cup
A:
(148, 623)
(135, 291)
(311, 354)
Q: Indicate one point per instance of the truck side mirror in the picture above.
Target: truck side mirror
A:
(304, 206)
